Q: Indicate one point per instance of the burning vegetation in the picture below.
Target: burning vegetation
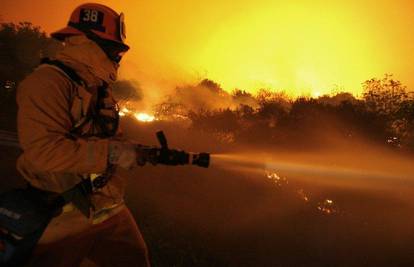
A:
(140, 116)
(384, 115)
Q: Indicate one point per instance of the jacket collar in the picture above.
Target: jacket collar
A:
(89, 61)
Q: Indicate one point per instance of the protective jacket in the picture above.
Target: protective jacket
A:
(51, 105)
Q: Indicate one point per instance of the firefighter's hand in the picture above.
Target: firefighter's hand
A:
(156, 155)
(122, 154)
(146, 154)
(173, 157)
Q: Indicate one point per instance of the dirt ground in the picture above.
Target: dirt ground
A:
(219, 216)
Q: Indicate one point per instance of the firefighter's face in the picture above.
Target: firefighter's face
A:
(113, 50)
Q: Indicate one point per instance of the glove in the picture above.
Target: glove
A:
(173, 157)
(127, 155)
(122, 154)
(155, 155)
(146, 154)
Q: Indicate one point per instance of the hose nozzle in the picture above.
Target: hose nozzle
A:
(201, 160)
(177, 157)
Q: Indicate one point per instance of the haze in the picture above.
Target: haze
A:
(306, 47)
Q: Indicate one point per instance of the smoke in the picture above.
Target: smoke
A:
(127, 90)
(298, 178)
(151, 93)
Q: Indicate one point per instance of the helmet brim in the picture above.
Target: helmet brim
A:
(71, 31)
(65, 32)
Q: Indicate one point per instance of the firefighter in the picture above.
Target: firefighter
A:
(68, 130)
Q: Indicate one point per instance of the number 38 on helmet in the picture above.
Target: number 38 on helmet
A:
(103, 21)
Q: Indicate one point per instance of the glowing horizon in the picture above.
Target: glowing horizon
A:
(306, 47)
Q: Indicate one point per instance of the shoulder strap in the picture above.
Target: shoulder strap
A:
(71, 73)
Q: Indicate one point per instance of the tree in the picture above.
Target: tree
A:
(243, 98)
(385, 96)
(22, 46)
(389, 98)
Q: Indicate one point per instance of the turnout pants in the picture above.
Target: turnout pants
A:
(114, 242)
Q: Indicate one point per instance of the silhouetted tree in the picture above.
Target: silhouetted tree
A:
(306, 121)
(385, 96)
(337, 99)
(22, 46)
(389, 98)
(242, 97)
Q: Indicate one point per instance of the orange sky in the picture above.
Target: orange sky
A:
(302, 47)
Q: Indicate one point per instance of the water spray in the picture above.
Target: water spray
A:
(295, 176)
(323, 174)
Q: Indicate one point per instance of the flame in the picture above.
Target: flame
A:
(144, 117)
(327, 206)
(278, 180)
(123, 112)
(303, 195)
(316, 94)
(140, 116)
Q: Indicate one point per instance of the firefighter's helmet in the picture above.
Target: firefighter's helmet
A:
(101, 20)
